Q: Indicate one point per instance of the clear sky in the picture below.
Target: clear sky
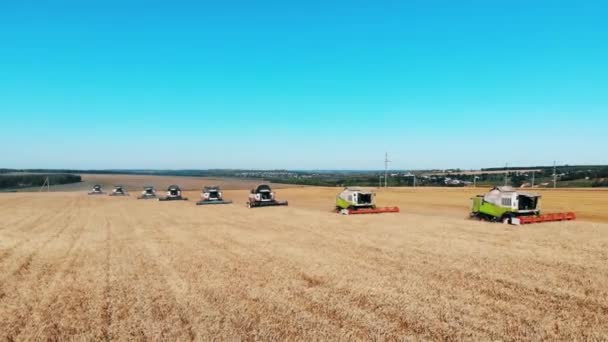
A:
(302, 84)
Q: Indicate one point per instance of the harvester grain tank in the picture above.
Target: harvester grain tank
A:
(212, 195)
(353, 200)
(148, 193)
(507, 205)
(97, 190)
(263, 196)
(174, 193)
(119, 191)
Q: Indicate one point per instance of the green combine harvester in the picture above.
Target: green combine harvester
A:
(353, 200)
(505, 204)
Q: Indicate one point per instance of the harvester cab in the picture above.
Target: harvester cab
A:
(263, 196)
(505, 204)
(119, 191)
(212, 195)
(148, 193)
(174, 193)
(97, 190)
(353, 200)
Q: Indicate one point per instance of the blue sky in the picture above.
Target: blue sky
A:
(302, 85)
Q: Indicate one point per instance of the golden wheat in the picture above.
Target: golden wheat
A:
(99, 268)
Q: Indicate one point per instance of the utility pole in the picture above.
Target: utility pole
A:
(506, 173)
(532, 178)
(474, 181)
(554, 176)
(386, 161)
(379, 181)
(414, 180)
(46, 183)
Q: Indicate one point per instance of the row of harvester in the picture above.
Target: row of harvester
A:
(118, 190)
(350, 201)
(500, 204)
(505, 204)
(262, 196)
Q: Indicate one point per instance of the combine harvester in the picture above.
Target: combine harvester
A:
(212, 195)
(505, 204)
(97, 190)
(263, 196)
(174, 193)
(119, 191)
(148, 193)
(353, 201)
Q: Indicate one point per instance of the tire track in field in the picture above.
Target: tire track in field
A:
(167, 278)
(306, 299)
(13, 214)
(266, 263)
(24, 267)
(34, 223)
(38, 245)
(71, 306)
(107, 305)
(31, 221)
(47, 278)
(224, 258)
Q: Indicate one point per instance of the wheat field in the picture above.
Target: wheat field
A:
(81, 267)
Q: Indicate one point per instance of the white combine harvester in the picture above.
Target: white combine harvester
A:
(97, 190)
(119, 191)
(174, 193)
(263, 196)
(148, 193)
(212, 195)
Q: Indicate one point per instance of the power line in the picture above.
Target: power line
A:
(386, 161)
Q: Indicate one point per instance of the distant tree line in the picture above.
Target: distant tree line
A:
(15, 181)
(568, 176)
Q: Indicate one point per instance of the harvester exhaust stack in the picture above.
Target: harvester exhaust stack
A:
(505, 204)
(354, 201)
(212, 195)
